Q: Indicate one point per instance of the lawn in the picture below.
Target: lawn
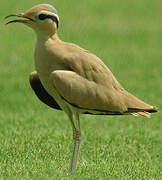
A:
(36, 141)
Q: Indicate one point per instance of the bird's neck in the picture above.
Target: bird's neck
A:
(43, 37)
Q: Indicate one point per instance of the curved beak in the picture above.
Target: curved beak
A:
(26, 20)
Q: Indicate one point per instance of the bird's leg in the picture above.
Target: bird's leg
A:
(77, 142)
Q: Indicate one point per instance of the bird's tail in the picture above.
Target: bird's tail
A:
(136, 106)
(142, 113)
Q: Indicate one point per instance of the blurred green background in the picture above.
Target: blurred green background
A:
(36, 141)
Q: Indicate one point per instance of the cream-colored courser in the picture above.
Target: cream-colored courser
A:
(72, 79)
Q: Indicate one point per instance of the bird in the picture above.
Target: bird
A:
(72, 79)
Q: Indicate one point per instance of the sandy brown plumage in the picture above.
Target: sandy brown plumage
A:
(82, 79)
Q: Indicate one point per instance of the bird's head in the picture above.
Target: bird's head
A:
(43, 18)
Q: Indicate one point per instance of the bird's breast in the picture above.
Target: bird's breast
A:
(46, 61)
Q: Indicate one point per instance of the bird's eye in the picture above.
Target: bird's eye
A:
(45, 16)
(42, 16)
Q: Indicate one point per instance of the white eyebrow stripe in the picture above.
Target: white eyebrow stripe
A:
(49, 13)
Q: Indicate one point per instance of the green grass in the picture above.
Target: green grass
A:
(36, 141)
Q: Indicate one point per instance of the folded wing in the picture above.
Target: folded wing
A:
(89, 84)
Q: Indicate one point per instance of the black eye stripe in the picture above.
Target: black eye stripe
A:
(44, 16)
